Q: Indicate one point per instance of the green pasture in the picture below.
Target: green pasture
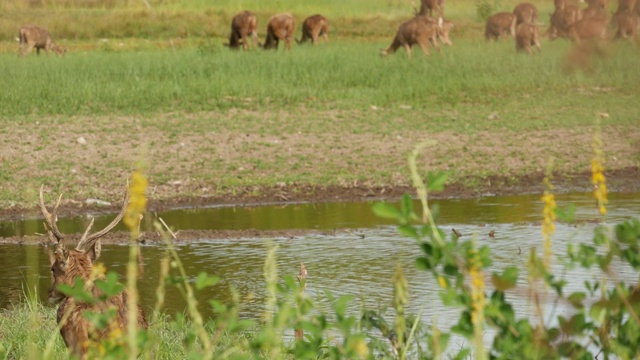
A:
(472, 78)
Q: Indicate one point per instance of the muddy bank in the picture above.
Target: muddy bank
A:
(621, 180)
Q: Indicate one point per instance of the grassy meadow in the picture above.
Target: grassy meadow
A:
(127, 59)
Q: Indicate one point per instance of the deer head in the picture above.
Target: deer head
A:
(67, 264)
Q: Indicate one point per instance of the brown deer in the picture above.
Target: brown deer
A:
(446, 27)
(69, 264)
(243, 24)
(561, 20)
(419, 30)
(626, 5)
(31, 36)
(596, 9)
(589, 28)
(427, 7)
(527, 35)
(525, 12)
(500, 24)
(627, 23)
(313, 27)
(280, 27)
(561, 4)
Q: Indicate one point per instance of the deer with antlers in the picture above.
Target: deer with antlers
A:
(69, 264)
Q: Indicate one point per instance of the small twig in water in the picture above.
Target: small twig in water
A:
(168, 229)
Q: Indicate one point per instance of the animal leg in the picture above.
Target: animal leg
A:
(254, 39)
(425, 49)
(407, 48)
(245, 42)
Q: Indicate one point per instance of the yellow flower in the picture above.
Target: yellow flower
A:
(477, 289)
(361, 349)
(443, 282)
(137, 201)
(548, 225)
(597, 172)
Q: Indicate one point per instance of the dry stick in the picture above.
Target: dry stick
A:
(302, 279)
(168, 229)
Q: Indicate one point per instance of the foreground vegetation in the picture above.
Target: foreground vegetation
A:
(603, 318)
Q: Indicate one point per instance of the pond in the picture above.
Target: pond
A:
(358, 260)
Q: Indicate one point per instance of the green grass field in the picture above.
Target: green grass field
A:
(468, 77)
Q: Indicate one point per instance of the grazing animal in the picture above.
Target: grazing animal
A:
(313, 27)
(443, 34)
(66, 266)
(280, 27)
(596, 9)
(31, 36)
(499, 24)
(243, 24)
(561, 4)
(419, 30)
(561, 20)
(589, 28)
(527, 35)
(600, 4)
(427, 7)
(525, 12)
(626, 5)
(627, 23)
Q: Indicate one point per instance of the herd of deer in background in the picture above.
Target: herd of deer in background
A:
(568, 20)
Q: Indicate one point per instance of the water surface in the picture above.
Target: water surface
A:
(358, 261)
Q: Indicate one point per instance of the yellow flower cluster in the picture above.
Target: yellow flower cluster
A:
(477, 290)
(597, 171)
(137, 201)
(548, 224)
(599, 183)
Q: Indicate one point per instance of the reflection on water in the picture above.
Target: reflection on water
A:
(329, 216)
(358, 262)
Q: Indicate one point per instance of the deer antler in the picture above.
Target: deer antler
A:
(88, 239)
(51, 218)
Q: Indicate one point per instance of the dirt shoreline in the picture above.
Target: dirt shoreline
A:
(619, 180)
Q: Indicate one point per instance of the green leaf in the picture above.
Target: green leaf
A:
(628, 232)
(205, 280)
(408, 231)
(567, 214)
(406, 206)
(340, 306)
(423, 263)
(449, 297)
(598, 311)
(576, 299)
(507, 280)
(77, 291)
(110, 286)
(436, 181)
(464, 326)
(386, 211)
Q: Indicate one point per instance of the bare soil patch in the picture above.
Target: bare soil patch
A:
(195, 166)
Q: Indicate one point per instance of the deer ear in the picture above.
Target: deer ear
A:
(94, 251)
